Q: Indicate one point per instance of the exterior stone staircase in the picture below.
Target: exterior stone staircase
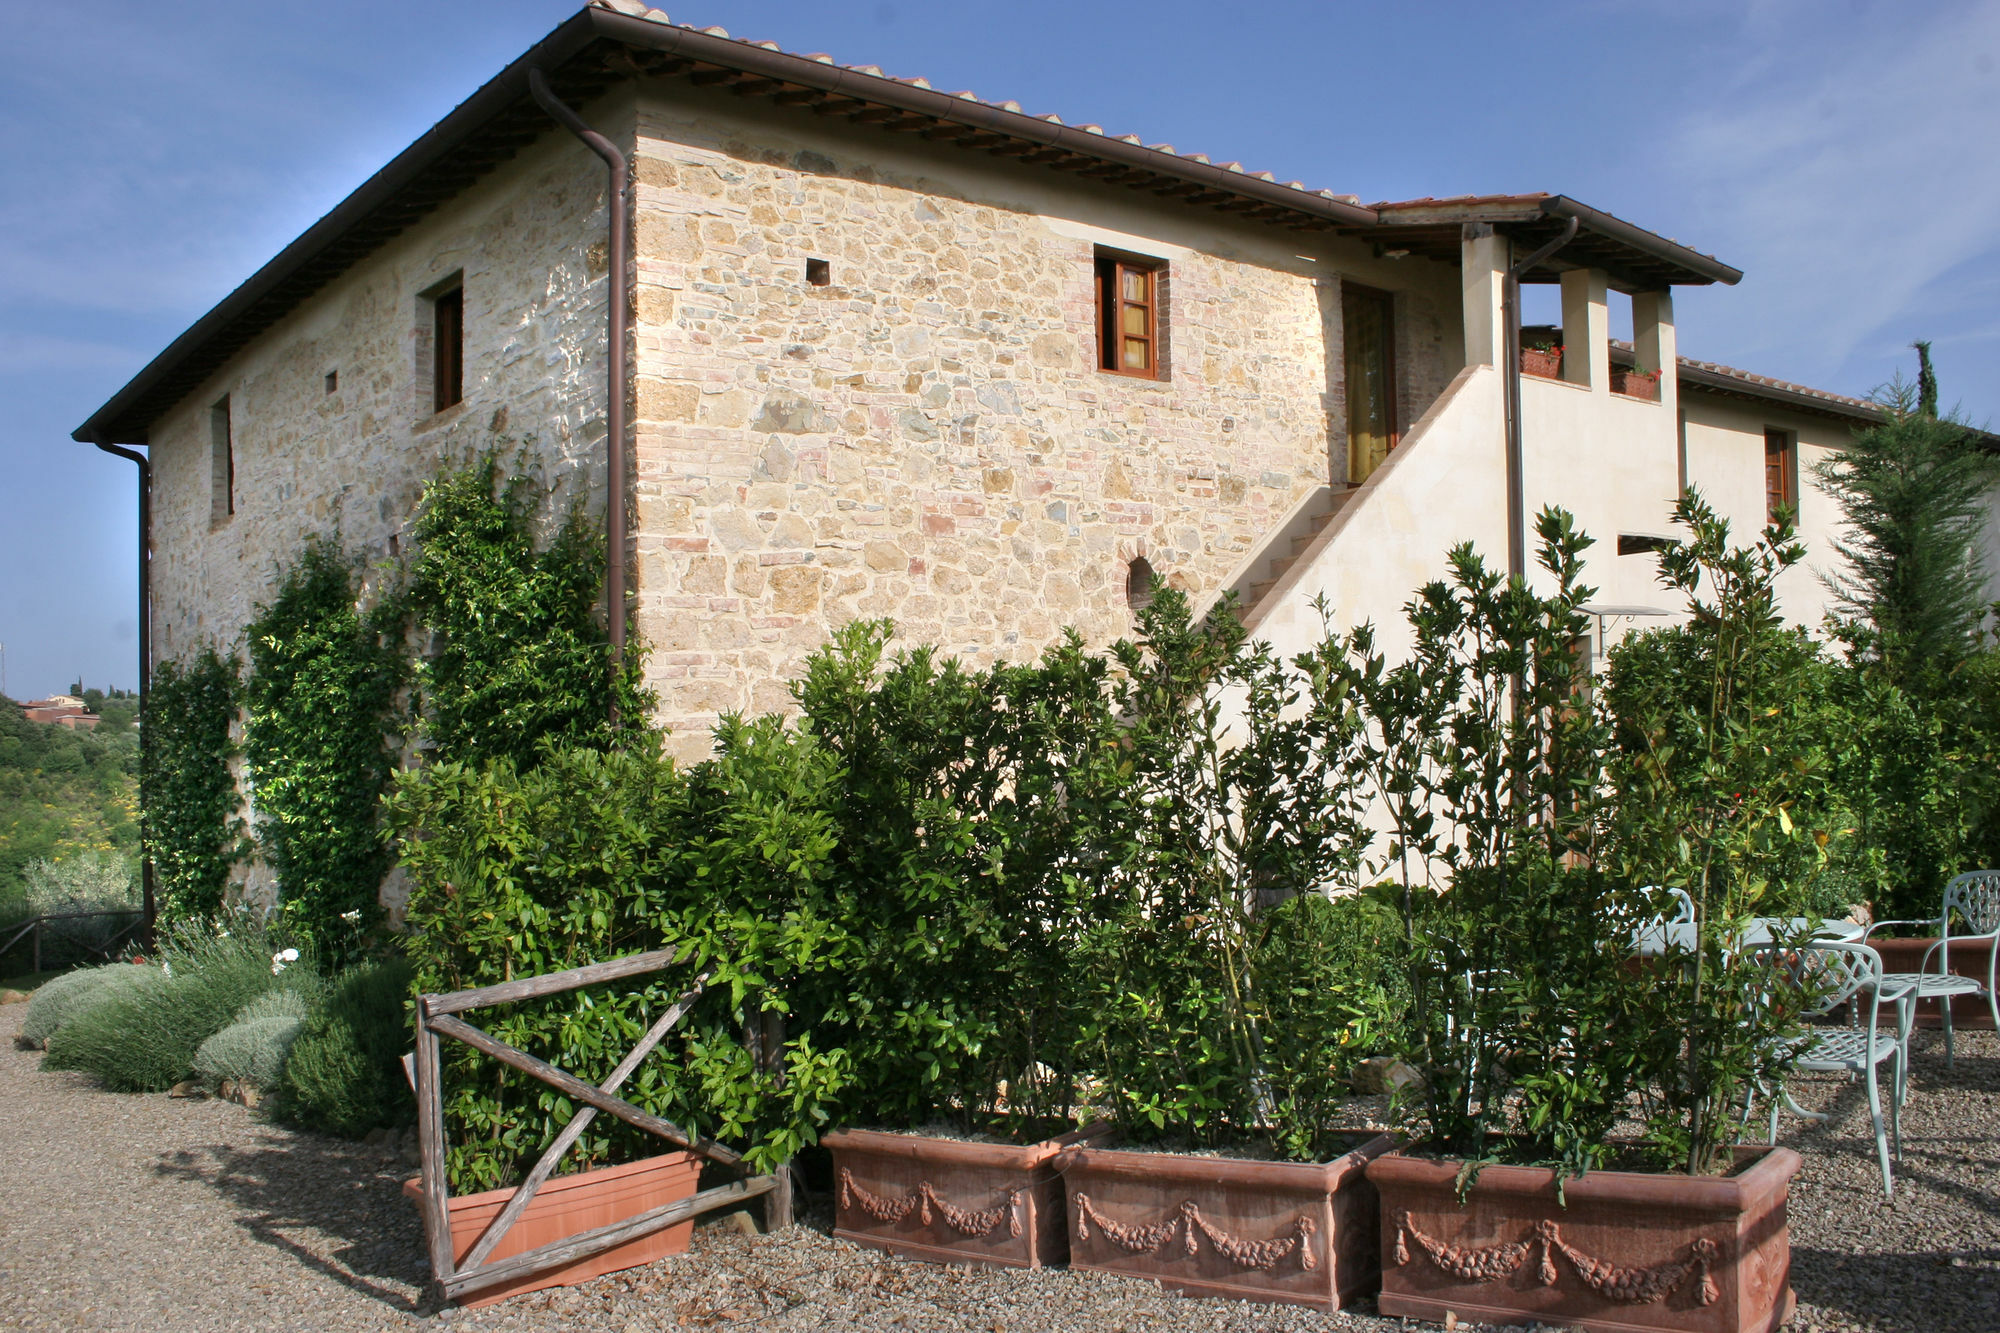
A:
(1331, 501)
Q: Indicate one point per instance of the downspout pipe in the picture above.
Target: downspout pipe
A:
(619, 299)
(150, 902)
(1510, 318)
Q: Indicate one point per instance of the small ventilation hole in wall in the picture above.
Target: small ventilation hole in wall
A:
(332, 380)
(1139, 583)
(819, 272)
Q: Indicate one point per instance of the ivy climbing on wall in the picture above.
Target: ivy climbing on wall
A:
(326, 675)
(519, 656)
(190, 826)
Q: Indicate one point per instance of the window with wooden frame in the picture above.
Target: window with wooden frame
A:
(448, 347)
(1131, 323)
(1781, 474)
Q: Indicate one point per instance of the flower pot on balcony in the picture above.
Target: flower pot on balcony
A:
(1634, 384)
(1631, 1251)
(953, 1201)
(1303, 1233)
(1546, 362)
(1967, 1011)
(567, 1205)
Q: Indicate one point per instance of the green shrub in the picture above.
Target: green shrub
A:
(1336, 992)
(145, 1039)
(1220, 821)
(344, 1074)
(294, 1001)
(59, 1001)
(325, 671)
(251, 1052)
(192, 831)
(522, 659)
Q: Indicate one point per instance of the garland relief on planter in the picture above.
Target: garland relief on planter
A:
(1631, 1251)
(952, 1200)
(1299, 1232)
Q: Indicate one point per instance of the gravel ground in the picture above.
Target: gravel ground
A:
(150, 1213)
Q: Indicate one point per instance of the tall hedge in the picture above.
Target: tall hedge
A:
(325, 675)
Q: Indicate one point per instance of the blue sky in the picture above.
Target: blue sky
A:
(154, 155)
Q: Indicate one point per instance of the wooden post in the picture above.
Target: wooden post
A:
(430, 1144)
(38, 946)
(771, 1050)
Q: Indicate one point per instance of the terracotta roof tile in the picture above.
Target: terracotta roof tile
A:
(1751, 382)
(632, 9)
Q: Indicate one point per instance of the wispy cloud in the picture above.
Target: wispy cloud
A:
(1850, 169)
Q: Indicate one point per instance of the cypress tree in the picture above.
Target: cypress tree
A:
(1914, 493)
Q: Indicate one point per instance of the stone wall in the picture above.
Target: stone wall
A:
(926, 437)
(350, 461)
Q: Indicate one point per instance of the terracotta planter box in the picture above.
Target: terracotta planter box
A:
(1967, 1011)
(1634, 385)
(1299, 1232)
(1546, 362)
(569, 1204)
(1632, 1251)
(952, 1201)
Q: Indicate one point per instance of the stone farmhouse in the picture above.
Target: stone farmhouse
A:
(896, 351)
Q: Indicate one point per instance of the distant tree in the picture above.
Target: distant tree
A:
(1914, 494)
(1927, 386)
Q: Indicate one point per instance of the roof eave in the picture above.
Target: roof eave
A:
(509, 85)
(1617, 229)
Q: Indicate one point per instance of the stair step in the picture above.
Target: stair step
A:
(1280, 564)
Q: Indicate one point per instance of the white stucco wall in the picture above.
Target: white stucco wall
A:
(1725, 462)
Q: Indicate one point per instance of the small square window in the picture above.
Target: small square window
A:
(819, 272)
(1131, 328)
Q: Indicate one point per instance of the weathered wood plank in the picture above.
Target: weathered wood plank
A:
(430, 1146)
(595, 1241)
(553, 983)
(771, 1056)
(497, 1228)
(446, 1025)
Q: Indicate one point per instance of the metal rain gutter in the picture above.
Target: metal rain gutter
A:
(145, 656)
(1510, 318)
(619, 297)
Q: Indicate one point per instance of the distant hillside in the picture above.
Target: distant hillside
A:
(64, 791)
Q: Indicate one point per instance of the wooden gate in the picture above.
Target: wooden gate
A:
(437, 1017)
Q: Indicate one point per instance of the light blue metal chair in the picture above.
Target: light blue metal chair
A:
(1974, 898)
(1838, 972)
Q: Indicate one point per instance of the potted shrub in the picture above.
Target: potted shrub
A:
(959, 829)
(1227, 997)
(1636, 382)
(1532, 1032)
